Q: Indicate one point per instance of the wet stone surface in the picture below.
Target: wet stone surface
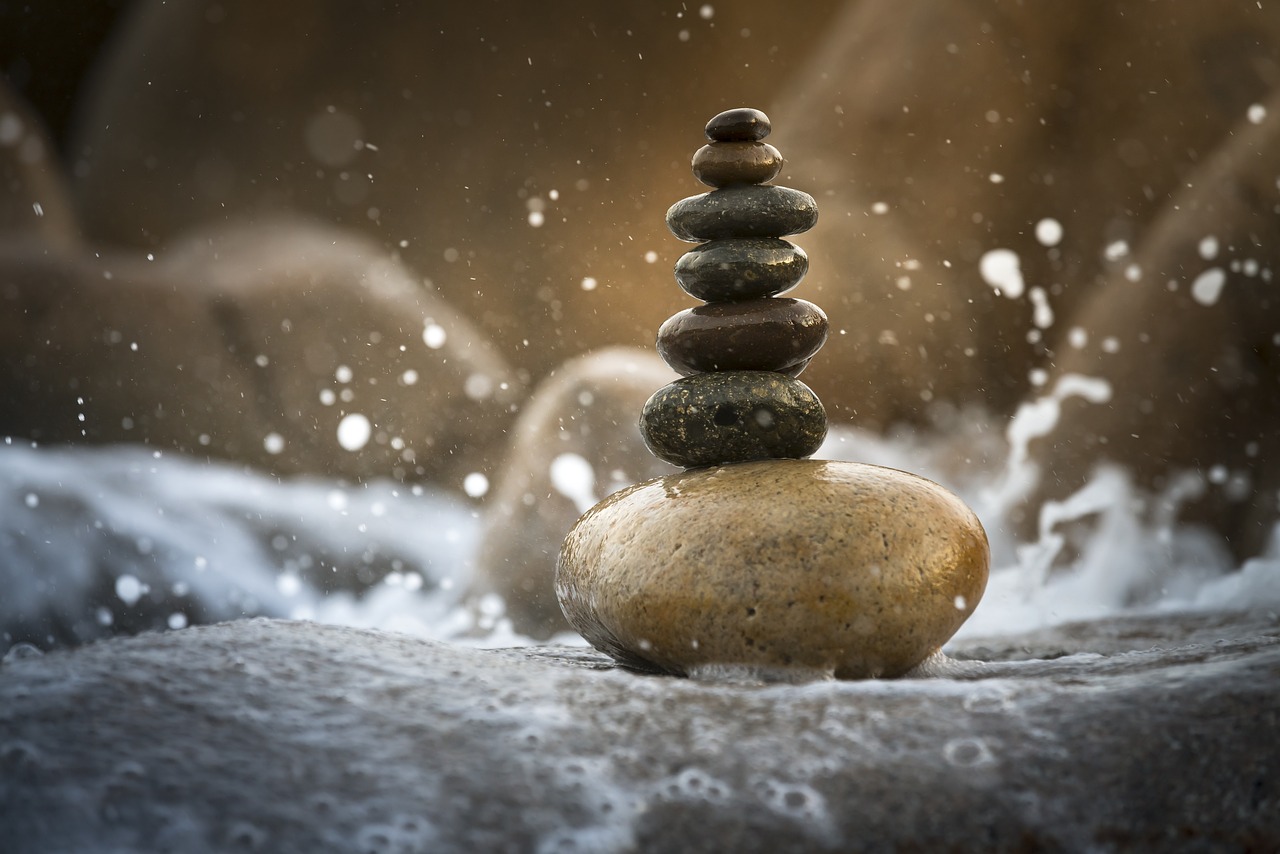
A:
(339, 734)
(733, 416)
(831, 568)
(741, 268)
(756, 335)
(742, 124)
(723, 163)
(742, 211)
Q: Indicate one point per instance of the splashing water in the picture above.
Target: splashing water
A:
(162, 527)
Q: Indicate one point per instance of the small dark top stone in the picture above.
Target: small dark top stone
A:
(723, 163)
(741, 268)
(741, 125)
(757, 335)
(742, 211)
(733, 417)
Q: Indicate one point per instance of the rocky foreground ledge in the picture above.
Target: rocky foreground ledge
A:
(279, 736)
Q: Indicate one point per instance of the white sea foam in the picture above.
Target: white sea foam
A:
(245, 543)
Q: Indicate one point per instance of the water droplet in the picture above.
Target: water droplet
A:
(354, 431)
(1049, 232)
(475, 484)
(433, 335)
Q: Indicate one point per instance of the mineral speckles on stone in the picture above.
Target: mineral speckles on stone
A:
(734, 416)
(831, 568)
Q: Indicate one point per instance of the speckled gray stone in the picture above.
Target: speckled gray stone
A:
(828, 567)
(741, 268)
(742, 211)
(733, 416)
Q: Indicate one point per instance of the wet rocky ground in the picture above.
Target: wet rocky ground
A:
(1140, 733)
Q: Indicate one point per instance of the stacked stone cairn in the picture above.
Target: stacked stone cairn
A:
(741, 351)
(756, 562)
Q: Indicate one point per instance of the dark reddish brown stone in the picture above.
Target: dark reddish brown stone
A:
(754, 335)
(741, 268)
(741, 125)
(721, 164)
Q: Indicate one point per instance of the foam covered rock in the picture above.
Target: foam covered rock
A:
(294, 737)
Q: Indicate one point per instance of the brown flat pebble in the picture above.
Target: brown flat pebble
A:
(742, 211)
(741, 268)
(721, 164)
(772, 334)
(733, 416)
(740, 125)
(782, 569)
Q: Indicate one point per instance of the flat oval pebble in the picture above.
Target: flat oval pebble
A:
(771, 334)
(739, 125)
(721, 164)
(742, 211)
(784, 569)
(741, 268)
(734, 416)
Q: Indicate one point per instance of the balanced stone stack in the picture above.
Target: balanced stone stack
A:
(755, 561)
(741, 351)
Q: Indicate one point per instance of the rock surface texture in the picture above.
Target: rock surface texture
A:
(295, 737)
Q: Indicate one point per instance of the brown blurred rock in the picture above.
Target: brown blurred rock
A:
(291, 347)
(443, 126)
(577, 440)
(1186, 335)
(34, 200)
(932, 135)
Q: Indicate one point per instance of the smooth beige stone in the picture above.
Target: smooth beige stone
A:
(780, 569)
(583, 415)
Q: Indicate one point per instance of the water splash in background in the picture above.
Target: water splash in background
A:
(210, 541)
